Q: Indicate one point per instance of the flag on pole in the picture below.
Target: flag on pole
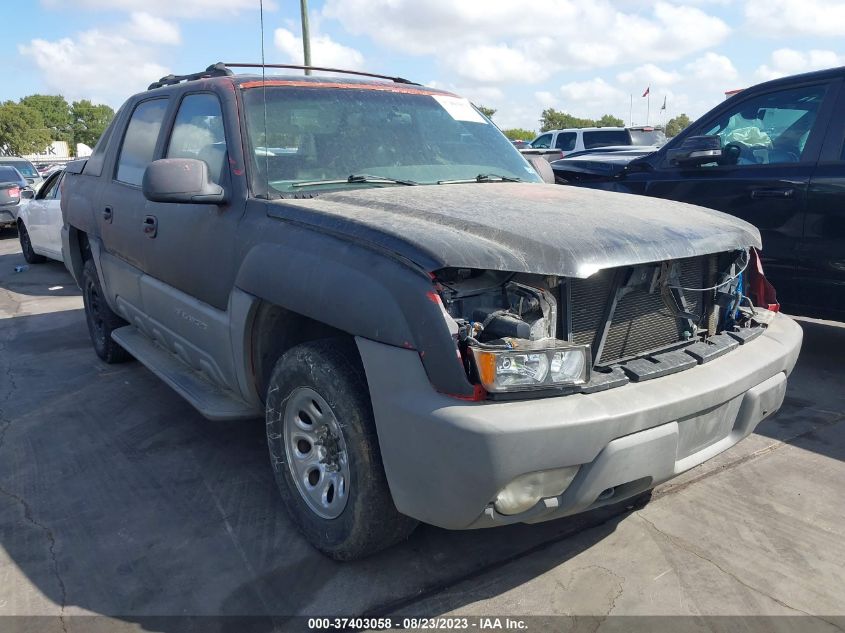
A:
(663, 107)
(647, 91)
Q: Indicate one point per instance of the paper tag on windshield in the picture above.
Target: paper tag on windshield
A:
(459, 109)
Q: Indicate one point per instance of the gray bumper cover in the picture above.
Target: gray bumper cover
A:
(446, 459)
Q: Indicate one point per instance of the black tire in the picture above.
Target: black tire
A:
(29, 254)
(369, 521)
(100, 318)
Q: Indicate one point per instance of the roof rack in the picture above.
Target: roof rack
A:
(215, 70)
(398, 80)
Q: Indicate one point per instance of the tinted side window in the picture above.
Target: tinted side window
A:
(198, 133)
(94, 164)
(140, 140)
(771, 128)
(843, 152)
(566, 141)
(606, 138)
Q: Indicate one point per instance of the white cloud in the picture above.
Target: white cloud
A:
(499, 64)
(589, 98)
(546, 99)
(324, 50)
(712, 67)
(648, 75)
(488, 42)
(786, 61)
(776, 18)
(203, 9)
(149, 28)
(87, 65)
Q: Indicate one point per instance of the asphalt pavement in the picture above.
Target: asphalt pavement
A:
(117, 499)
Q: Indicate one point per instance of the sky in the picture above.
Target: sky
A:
(585, 57)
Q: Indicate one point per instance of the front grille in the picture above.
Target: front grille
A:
(642, 321)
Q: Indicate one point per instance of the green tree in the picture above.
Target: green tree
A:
(488, 112)
(22, 129)
(89, 121)
(677, 124)
(552, 119)
(608, 120)
(519, 134)
(56, 114)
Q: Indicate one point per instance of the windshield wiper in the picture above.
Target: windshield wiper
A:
(481, 178)
(354, 179)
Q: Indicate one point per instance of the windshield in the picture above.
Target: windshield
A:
(402, 133)
(22, 166)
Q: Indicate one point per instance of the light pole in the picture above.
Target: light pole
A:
(306, 35)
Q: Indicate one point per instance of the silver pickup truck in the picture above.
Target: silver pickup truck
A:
(431, 332)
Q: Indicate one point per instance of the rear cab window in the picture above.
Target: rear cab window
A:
(139, 141)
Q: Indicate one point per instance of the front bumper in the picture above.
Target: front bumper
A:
(446, 460)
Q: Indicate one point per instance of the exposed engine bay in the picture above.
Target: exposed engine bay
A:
(530, 327)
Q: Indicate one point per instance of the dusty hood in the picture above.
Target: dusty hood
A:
(520, 227)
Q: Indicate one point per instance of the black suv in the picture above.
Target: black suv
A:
(775, 157)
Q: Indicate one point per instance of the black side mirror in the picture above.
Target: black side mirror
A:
(27, 193)
(696, 150)
(184, 180)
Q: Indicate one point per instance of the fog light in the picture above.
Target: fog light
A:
(526, 490)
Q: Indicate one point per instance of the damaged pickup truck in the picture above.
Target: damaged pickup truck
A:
(431, 332)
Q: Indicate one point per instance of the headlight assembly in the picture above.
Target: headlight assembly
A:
(527, 365)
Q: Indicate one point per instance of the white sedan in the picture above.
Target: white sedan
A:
(40, 222)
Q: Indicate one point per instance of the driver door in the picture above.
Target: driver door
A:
(771, 144)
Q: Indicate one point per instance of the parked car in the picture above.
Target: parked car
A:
(431, 332)
(40, 222)
(13, 191)
(773, 155)
(26, 169)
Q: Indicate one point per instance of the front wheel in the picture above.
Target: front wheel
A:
(100, 318)
(325, 453)
(29, 254)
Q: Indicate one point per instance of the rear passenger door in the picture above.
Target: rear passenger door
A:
(122, 205)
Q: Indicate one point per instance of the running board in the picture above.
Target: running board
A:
(210, 400)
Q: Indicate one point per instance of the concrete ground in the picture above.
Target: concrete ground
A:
(117, 498)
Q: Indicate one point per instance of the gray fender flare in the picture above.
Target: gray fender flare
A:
(359, 291)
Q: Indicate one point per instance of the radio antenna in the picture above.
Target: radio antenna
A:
(264, 102)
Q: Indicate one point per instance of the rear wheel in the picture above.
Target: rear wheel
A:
(29, 254)
(325, 453)
(101, 320)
